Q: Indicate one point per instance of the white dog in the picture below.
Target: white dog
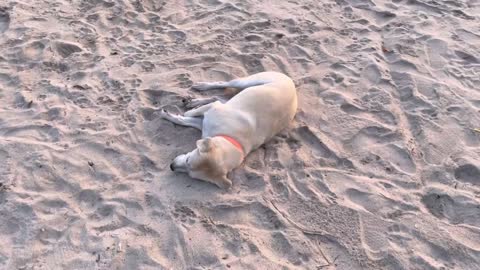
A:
(233, 129)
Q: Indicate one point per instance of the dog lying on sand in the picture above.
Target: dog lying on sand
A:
(265, 105)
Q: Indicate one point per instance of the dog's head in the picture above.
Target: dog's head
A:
(204, 163)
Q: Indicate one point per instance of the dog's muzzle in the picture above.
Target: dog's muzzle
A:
(178, 164)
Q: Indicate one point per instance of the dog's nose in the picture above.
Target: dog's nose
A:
(171, 167)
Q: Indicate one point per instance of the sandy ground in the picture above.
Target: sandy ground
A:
(380, 170)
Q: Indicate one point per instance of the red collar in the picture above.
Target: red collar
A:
(233, 141)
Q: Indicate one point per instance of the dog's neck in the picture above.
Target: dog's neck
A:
(234, 142)
(234, 155)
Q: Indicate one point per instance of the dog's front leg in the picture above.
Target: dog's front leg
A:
(198, 112)
(197, 102)
(182, 120)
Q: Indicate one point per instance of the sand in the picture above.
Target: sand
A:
(380, 169)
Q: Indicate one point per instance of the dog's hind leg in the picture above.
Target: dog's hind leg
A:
(182, 120)
(241, 83)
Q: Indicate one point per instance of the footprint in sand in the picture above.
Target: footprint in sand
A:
(400, 158)
(373, 135)
(5, 173)
(467, 58)
(34, 50)
(293, 251)
(436, 50)
(383, 116)
(160, 98)
(153, 5)
(66, 49)
(372, 73)
(7, 80)
(466, 36)
(184, 214)
(373, 234)
(250, 181)
(89, 198)
(455, 209)
(321, 150)
(4, 20)
(256, 214)
(184, 80)
(333, 79)
(468, 173)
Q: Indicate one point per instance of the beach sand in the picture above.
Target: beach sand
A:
(379, 170)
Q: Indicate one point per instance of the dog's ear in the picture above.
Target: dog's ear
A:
(204, 145)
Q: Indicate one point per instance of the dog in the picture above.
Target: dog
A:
(265, 105)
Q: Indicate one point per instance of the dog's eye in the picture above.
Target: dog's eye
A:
(186, 161)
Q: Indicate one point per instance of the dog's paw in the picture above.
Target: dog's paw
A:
(223, 183)
(163, 113)
(193, 103)
(201, 86)
(187, 102)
